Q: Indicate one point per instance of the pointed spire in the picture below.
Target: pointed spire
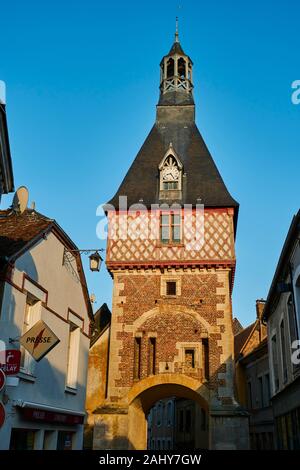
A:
(176, 31)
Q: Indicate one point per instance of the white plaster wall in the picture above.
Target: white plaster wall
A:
(43, 264)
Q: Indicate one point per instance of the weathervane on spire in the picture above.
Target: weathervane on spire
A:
(176, 31)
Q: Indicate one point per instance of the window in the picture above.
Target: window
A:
(267, 390)
(137, 358)
(205, 358)
(297, 300)
(152, 356)
(249, 397)
(22, 439)
(31, 316)
(190, 358)
(275, 362)
(169, 414)
(188, 420)
(170, 68)
(171, 287)
(64, 440)
(170, 228)
(283, 351)
(50, 440)
(181, 421)
(261, 392)
(203, 420)
(292, 323)
(159, 414)
(73, 356)
(167, 185)
(181, 67)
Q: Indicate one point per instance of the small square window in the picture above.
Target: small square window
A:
(171, 287)
(190, 358)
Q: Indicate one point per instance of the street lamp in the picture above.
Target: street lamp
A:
(95, 261)
(95, 257)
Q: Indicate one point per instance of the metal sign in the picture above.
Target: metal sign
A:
(39, 340)
(11, 361)
(2, 414)
(2, 379)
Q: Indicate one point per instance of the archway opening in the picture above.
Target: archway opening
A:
(169, 416)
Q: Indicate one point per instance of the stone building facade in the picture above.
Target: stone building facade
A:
(282, 314)
(171, 254)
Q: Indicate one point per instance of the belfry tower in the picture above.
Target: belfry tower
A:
(171, 254)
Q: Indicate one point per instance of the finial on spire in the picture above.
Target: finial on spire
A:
(176, 31)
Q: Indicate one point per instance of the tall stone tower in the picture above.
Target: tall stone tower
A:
(171, 255)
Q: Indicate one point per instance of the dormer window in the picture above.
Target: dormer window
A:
(170, 171)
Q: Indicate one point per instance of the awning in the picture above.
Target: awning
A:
(49, 414)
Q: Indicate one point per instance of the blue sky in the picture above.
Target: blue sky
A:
(82, 84)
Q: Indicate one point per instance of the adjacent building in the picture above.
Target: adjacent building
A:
(161, 425)
(282, 314)
(177, 424)
(253, 380)
(97, 369)
(41, 278)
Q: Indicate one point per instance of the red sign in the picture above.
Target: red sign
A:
(2, 414)
(35, 414)
(12, 361)
(2, 379)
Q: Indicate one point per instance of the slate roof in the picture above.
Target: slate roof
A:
(175, 124)
(176, 49)
(260, 350)
(241, 339)
(202, 180)
(102, 320)
(236, 326)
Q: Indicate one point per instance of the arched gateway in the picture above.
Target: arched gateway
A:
(148, 391)
(171, 255)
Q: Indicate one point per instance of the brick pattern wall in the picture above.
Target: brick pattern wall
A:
(135, 238)
(202, 293)
(201, 310)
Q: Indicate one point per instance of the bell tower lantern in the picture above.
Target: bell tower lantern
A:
(176, 69)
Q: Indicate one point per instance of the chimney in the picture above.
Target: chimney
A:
(260, 305)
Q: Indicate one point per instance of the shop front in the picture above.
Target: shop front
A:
(38, 427)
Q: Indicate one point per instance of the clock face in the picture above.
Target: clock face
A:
(170, 173)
